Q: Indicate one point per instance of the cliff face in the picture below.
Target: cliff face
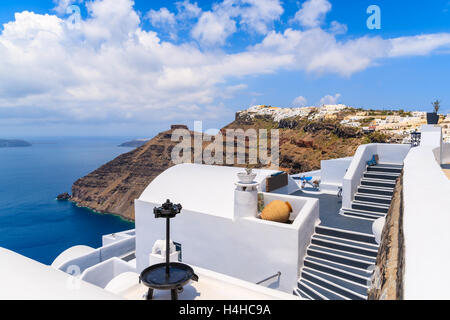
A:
(113, 187)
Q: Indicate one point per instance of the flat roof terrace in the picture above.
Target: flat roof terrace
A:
(329, 207)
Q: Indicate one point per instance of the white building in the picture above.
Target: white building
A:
(328, 250)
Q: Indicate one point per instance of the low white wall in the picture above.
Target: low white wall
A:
(116, 249)
(431, 136)
(332, 173)
(102, 273)
(247, 248)
(426, 226)
(115, 237)
(446, 153)
(22, 278)
(387, 153)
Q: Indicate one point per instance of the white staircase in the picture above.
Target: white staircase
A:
(374, 196)
(338, 265)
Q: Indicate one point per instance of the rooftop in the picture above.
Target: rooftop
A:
(215, 184)
(210, 286)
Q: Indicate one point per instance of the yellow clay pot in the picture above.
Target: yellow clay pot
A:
(277, 211)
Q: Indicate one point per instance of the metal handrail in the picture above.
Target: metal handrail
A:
(278, 274)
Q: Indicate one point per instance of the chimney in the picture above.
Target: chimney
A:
(246, 195)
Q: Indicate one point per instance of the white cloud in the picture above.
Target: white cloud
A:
(214, 28)
(300, 102)
(419, 45)
(259, 15)
(338, 28)
(110, 69)
(162, 17)
(312, 13)
(62, 5)
(187, 10)
(329, 99)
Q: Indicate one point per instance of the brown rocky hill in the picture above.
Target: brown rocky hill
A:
(113, 187)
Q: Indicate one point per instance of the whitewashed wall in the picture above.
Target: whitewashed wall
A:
(426, 224)
(431, 136)
(115, 249)
(446, 153)
(22, 278)
(332, 173)
(246, 248)
(101, 274)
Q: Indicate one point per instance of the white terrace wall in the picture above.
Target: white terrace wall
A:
(388, 153)
(247, 248)
(426, 225)
(115, 249)
(431, 136)
(445, 153)
(332, 173)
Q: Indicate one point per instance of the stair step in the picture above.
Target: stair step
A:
(333, 288)
(338, 258)
(342, 247)
(304, 288)
(358, 205)
(380, 176)
(352, 287)
(384, 169)
(338, 272)
(364, 216)
(323, 293)
(344, 234)
(364, 273)
(378, 183)
(376, 191)
(374, 199)
(389, 165)
(363, 245)
(301, 294)
(355, 256)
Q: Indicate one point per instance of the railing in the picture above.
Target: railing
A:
(276, 275)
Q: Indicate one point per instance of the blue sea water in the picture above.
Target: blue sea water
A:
(32, 222)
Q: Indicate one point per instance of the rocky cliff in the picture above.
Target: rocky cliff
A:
(113, 187)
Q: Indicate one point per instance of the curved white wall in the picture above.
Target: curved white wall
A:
(22, 278)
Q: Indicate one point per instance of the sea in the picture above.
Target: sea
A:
(32, 222)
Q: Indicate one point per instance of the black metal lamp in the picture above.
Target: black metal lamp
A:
(415, 138)
(169, 275)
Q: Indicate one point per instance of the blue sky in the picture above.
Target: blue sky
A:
(133, 68)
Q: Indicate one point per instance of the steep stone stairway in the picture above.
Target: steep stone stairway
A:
(374, 196)
(338, 265)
